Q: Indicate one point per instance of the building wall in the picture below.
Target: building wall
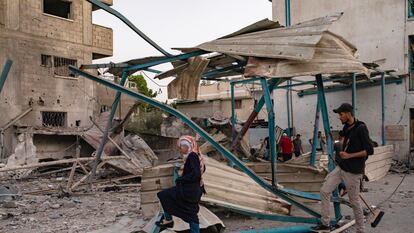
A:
(25, 34)
(379, 29)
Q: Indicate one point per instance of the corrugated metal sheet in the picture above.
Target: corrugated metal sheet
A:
(294, 43)
(332, 56)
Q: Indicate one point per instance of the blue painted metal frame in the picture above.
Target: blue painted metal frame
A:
(383, 109)
(233, 112)
(129, 24)
(315, 133)
(165, 60)
(271, 128)
(212, 73)
(288, 105)
(291, 229)
(5, 72)
(283, 194)
(108, 127)
(329, 141)
(359, 85)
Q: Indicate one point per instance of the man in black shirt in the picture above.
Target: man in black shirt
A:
(356, 148)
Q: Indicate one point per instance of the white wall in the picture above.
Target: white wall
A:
(379, 29)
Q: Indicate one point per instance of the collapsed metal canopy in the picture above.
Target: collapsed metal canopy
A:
(304, 49)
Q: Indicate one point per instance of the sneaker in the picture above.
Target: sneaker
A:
(321, 228)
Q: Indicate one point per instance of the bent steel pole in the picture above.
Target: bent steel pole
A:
(129, 24)
(5, 72)
(108, 127)
(329, 140)
(272, 85)
(271, 128)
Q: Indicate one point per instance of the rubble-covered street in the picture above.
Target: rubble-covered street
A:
(92, 211)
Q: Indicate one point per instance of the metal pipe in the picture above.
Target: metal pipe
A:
(272, 85)
(329, 141)
(233, 113)
(315, 133)
(283, 194)
(162, 60)
(129, 24)
(288, 107)
(291, 229)
(271, 128)
(5, 72)
(354, 93)
(383, 109)
(105, 135)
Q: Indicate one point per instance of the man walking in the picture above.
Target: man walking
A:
(350, 166)
(297, 146)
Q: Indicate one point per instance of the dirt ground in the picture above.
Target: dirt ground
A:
(88, 212)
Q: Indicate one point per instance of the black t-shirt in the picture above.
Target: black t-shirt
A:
(356, 139)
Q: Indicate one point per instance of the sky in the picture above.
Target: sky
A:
(175, 23)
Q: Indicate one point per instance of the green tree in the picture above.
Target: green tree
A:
(142, 88)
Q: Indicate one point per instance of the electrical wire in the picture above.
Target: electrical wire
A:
(159, 85)
(392, 194)
(405, 104)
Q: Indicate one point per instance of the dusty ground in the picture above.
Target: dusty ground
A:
(88, 212)
(399, 210)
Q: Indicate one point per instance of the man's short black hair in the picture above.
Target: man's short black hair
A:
(345, 107)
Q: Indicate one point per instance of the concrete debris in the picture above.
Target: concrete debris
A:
(24, 154)
(7, 193)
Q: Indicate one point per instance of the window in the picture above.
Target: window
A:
(411, 61)
(61, 66)
(46, 61)
(237, 104)
(54, 119)
(410, 4)
(59, 8)
(132, 85)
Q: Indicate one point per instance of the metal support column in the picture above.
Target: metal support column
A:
(383, 108)
(5, 72)
(272, 85)
(288, 105)
(315, 133)
(329, 141)
(354, 93)
(104, 139)
(271, 127)
(233, 113)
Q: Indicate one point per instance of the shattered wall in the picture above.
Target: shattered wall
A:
(26, 34)
(379, 29)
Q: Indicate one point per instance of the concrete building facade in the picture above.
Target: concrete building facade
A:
(382, 31)
(217, 97)
(43, 37)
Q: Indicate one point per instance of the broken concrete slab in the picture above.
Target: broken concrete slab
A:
(126, 224)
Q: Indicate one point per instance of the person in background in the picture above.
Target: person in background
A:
(297, 146)
(286, 147)
(321, 142)
(183, 199)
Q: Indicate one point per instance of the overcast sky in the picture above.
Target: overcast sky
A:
(176, 23)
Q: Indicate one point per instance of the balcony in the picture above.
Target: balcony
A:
(102, 41)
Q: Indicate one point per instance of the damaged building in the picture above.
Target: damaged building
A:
(42, 104)
(382, 30)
